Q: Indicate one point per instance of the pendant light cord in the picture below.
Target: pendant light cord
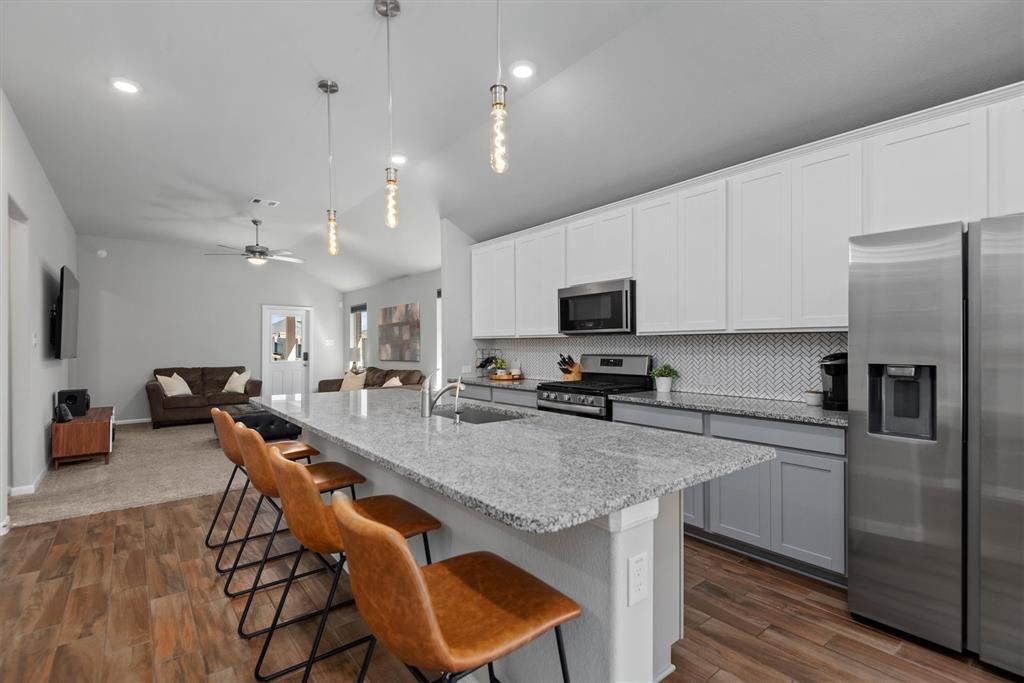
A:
(391, 118)
(498, 42)
(330, 153)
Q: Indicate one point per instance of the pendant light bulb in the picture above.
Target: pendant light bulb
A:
(328, 88)
(332, 233)
(499, 129)
(391, 198)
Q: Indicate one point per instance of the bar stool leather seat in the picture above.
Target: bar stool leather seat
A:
(331, 475)
(293, 450)
(487, 607)
(399, 514)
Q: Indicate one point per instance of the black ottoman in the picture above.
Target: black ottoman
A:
(270, 426)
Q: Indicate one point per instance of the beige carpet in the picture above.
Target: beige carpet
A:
(147, 466)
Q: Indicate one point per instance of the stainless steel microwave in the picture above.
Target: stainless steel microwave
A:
(597, 308)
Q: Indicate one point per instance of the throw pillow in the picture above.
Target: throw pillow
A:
(236, 383)
(353, 381)
(174, 385)
(393, 382)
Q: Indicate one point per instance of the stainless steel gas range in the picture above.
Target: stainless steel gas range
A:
(603, 375)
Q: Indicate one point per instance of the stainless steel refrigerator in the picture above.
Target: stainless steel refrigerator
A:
(936, 435)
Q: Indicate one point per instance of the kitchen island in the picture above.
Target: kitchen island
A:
(572, 500)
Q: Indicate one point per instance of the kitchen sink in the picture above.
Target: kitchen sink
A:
(478, 416)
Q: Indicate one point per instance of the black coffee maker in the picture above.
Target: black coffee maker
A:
(833, 381)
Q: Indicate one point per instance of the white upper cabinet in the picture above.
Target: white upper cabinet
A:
(827, 201)
(540, 273)
(656, 251)
(494, 289)
(600, 247)
(760, 248)
(703, 257)
(1006, 157)
(931, 172)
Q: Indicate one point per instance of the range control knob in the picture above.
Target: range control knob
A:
(590, 400)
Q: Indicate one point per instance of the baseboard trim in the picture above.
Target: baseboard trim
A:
(5, 525)
(133, 421)
(28, 489)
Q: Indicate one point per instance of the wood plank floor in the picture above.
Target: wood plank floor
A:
(133, 596)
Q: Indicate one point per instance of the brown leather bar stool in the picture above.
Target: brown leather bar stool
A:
(327, 476)
(316, 528)
(454, 616)
(223, 423)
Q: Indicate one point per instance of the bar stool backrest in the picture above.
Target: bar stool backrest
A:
(310, 521)
(224, 424)
(389, 589)
(256, 456)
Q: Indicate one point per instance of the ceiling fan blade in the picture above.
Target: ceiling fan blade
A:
(224, 246)
(286, 259)
(221, 253)
(282, 252)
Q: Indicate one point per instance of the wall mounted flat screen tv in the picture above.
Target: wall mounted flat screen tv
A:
(64, 318)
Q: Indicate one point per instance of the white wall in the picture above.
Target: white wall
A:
(47, 242)
(456, 283)
(422, 289)
(149, 305)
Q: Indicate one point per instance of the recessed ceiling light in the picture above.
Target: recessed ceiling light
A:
(125, 86)
(523, 69)
(398, 159)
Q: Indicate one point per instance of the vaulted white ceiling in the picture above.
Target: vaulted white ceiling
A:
(629, 96)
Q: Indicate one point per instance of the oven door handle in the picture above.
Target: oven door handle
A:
(574, 407)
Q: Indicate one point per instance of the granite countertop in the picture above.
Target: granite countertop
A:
(786, 411)
(521, 385)
(542, 473)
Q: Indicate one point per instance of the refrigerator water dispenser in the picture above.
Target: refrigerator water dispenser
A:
(901, 400)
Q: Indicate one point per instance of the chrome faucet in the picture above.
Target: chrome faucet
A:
(428, 400)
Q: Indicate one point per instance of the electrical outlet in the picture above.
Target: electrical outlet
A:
(705, 379)
(636, 579)
(466, 369)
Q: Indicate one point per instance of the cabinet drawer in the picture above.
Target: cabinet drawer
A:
(662, 418)
(514, 397)
(790, 435)
(477, 392)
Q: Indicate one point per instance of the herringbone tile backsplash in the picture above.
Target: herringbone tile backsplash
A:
(779, 366)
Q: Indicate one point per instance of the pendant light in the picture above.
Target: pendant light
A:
(388, 9)
(328, 88)
(499, 112)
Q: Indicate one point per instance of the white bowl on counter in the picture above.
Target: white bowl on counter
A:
(813, 398)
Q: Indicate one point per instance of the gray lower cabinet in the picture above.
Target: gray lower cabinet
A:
(739, 505)
(476, 391)
(807, 508)
(693, 505)
(514, 397)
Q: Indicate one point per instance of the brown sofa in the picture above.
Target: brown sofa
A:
(375, 378)
(207, 386)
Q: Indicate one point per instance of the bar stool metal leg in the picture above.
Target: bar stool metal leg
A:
(256, 585)
(277, 623)
(366, 660)
(220, 507)
(561, 654)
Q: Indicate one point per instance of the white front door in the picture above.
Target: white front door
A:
(286, 332)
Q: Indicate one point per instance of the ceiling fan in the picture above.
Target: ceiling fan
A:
(257, 254)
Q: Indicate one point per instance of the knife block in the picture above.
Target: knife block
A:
(575, 374)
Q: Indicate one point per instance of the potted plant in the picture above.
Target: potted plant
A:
(500, 366)
(663, 376)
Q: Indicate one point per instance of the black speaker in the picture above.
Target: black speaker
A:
(77, 400)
